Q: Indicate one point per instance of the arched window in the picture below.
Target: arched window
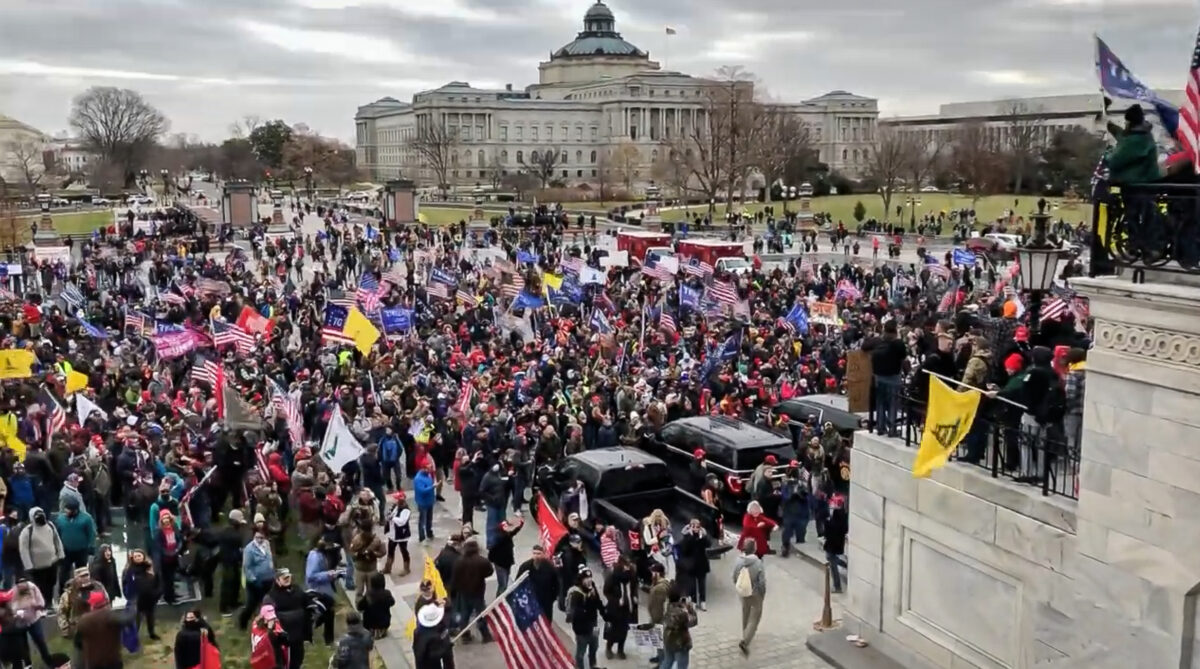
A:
(578, 157)
(533, 156)
(504, 157)
(453, 158)
(844, 152)
(653, 154)
(856, 155)
(520, 157)
(593, 157)
(480, 161)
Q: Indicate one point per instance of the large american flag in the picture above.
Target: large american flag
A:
(526, 639)
(205, 371)
(288, 407)
(1058, 305)
(368, 293)
(135, 320)
(697, 267)
(466, 398)
(1189, 113)
(667, 322)
(572, 264)
(56, 419)
(723, 291)
(513, 288)
(438, 289)
(655, 271)
(230, 333)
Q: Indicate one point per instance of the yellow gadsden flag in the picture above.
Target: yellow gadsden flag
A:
(8, 436)
(948, 420)
(360, 328)
(16, 363)
(432, 575)
(76, 381)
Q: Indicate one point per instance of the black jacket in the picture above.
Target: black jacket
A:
(584, 609)
(432, 648)
(543, 579)
(187, 644)
(229, 547)
(493, 488)
(501, 552)
(693, 554)
(887, 356)
(835, 531)
(291, 608)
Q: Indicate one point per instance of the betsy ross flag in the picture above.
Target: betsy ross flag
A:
(697, 267)
(226, 334)
(368, 293)
(526, 639)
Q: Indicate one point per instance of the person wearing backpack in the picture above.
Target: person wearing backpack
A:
(750, 583)
(354, 648)
(680, 617)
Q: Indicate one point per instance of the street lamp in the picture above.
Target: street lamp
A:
(44, 202)
(165, 174)
(786, 193)
(308, 182)
(913, 203)
(1038, 264)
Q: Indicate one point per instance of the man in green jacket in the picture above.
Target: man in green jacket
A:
(1135, 157)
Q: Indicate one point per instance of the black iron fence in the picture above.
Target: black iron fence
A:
(1146, 226)
(1003, 440)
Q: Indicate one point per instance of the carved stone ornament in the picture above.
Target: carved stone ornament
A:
(1156, 344)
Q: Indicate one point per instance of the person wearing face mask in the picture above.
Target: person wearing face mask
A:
(77, 531)
(142, 589)
(41, 550)
(190, 642)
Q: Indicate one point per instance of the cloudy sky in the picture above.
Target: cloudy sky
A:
(206, 63)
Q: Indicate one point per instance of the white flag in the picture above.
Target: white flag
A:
(84, 408)
(339, 446)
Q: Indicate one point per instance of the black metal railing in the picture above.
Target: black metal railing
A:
(1146, 226)
(1001, 440)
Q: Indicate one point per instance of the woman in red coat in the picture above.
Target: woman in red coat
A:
(757, 526)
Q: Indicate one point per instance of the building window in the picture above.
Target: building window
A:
(633, 132)
(468, 174)
(520, 157)
(593, 157)
(466, 133)
(480, 161)
(594, 132)
(578, 173)
(844, 152)
(564, 173)
(564, 158)
(520, 133)
(533, 133)
(856, 155)
(593, 172)
(549, 133)
(504, 157)
(866, 155)
(479, 132)
(579, 134)
(579, 156)
(533, 157)
(504, 133)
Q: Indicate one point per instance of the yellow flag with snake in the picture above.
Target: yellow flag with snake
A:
(947, 421)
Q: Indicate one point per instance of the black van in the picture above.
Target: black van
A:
(733, 448)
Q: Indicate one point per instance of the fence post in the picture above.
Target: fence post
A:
(997, 444)
(1046, 465)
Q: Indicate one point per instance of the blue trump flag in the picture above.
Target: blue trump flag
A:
(526, 301)
(689, 297)
(797, 319)
(442, 276)
(92, 330)
(599, 323)
(397, 319)
(963, 257)
(526, 256)
(1118, 83)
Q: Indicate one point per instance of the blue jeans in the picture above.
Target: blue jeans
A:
(424, 523)
(835, 561)
(675, 659)
(467, 608)
(586, 645)
(794, 527)
(887, 396)
(495, 516)
(501, 579)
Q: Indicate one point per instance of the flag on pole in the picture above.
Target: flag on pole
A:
(466, 398)
(368, 292)
(56, 418)
(670, 30)
(339, 446)
(526, 639)
(289, 408)
(946, 424)
(225, 334)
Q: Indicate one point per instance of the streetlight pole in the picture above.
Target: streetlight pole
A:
(308, 182)
(1039, 263)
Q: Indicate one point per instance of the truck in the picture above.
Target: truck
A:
(709, 250)
(624, 485)
(638, 242)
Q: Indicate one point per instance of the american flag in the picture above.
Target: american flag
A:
(438, 289)
(206, 286)
(938, 270)
(135, 320)
(289, 408)
(667, 322)
(1189, 113)
(71, 295)
(572, 264)
(171, 297)
(205, 371)
(368, 293)
(466, 297)
(1055, 309)
(395, 277)
(723, 291)
(697, 267)
(513, 288)
(339, 298)
(56, 420)
(654, 271)
(526, 639)
(466, 398)
(333, 330)
(229, 333)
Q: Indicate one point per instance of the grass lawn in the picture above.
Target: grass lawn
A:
(987, 209)
(235, 644)
(74, 223)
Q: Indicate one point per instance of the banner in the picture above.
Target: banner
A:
(823, 313)
(16, 363)
(397, 319)
(550, 528)
(339, 447)
(963, 258)
(253, 322)
(947, 422)
(173, 344)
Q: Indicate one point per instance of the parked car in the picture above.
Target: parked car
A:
(800, 411)
(101, 201)
(1004, 242)
(733, 448)
(732, 265)
(624, 485)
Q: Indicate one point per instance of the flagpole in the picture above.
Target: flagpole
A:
(487, 609)
(981, 390)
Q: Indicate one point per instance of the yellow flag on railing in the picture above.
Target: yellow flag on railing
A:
(432, 575)
(947, 421)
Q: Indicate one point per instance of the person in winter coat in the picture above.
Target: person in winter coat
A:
(376, 606)
(98, 635)
(584, 611)
(570, 559)
(752, 599)
(678, 620)
(29, 608)
(230, 542)
(188, 646)
(41, 550)
(447, 558)
(258, 570)
(398, 531)
(353, 650)
(692, 565)
(621, 609)
(794, 509)
(269, 643)
(468, 584)
(142, 589)
(757, 526)
(432, 647)
(493, 490)
(501, 553)
(836, 529)
(391, 459)
(424, 490)
(543, 578)
(77, 532)
(170, 545)
(290, 606)
(365, 550)
(10, 551)
(103, 569)
(20, 491)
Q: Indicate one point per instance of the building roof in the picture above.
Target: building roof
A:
(380, 107)
(8, 123)
(599, 37)
(840, 95)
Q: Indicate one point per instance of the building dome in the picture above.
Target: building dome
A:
(599, 37)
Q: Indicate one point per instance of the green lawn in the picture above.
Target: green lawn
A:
(235, 644)
(987, 209)
(75, 223)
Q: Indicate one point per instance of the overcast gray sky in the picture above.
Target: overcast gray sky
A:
(206, 63)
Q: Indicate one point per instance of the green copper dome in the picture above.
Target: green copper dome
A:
(599, 37)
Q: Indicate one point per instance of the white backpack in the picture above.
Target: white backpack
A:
(743, 585)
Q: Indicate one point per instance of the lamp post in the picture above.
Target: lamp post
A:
(786, 193)
(913, 203)
(308, 182)
(165, 174)
(1039, 264)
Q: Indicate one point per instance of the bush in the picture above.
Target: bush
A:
(860, 211)
(506, 197)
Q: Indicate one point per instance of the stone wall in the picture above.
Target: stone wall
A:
(958, 570)
(962, 570)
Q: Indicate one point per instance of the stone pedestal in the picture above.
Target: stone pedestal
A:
(46, 235)
(400, 202)
(239, 205)
(278, 226)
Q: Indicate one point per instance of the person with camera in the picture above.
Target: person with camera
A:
(584, 611)
(678, 620)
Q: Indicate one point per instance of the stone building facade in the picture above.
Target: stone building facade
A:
(594, 94)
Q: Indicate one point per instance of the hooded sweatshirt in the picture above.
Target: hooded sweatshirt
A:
(40, 545)
(758, 575)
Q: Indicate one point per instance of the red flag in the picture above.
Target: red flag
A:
(550, 528)
(252, 321)
(210, 655)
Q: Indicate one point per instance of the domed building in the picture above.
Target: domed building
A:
(595, 95)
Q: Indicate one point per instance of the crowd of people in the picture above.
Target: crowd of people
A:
(196, 397)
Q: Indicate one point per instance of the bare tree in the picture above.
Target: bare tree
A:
(235, 160)
(710, 149)
(737, 117)
(888, 164)
(24, 157)
(782, 143)
(436, 145)
(1024, 131)
(519, 182)
(625, 162)
(925, 155)
(118, 125)
(495, 170)
(12, 229)
(670, 170)
(242, 128)
(604, 175)
(976, 160)
(542, 163)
